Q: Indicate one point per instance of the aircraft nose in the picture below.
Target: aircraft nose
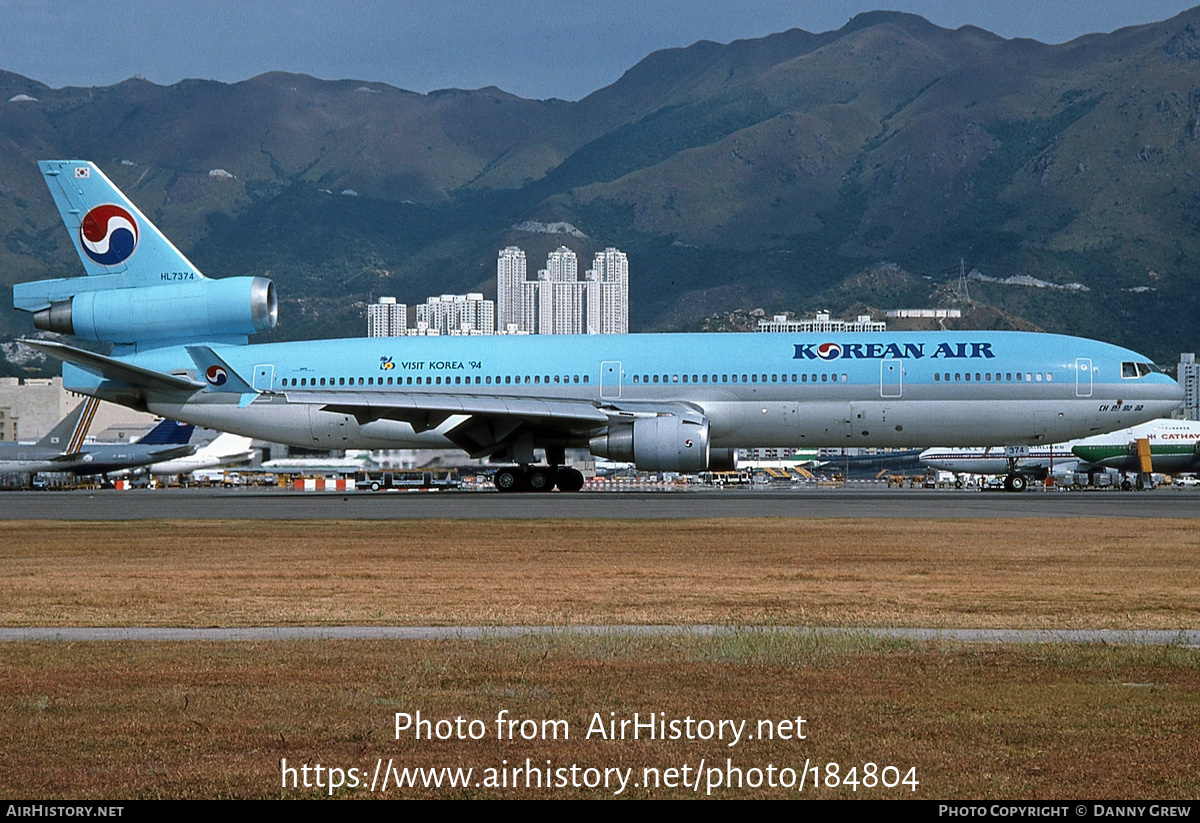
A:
(1174, 392)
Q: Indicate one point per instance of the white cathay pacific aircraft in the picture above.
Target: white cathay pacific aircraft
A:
(1174, 448)
(672, 402)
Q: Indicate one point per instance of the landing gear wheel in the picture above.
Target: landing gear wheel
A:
(540, 480)
(507, 480)
(569, 480)
(1126, 486)
(1017, 482)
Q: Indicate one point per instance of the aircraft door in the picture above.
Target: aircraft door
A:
(1083, 376)
(610, 380)
(264, 377)
(891, 378)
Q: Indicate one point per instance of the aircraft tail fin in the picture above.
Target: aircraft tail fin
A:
(110, 233)
(140, 289)
(168, 433)
(68, 436)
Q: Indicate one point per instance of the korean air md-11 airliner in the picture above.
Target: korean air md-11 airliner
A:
(668, 402)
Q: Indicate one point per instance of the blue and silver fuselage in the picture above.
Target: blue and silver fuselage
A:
(886, 389)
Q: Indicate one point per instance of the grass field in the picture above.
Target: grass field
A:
(124, 720)
(1086, 573)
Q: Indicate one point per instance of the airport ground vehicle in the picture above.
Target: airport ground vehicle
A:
(406, 479)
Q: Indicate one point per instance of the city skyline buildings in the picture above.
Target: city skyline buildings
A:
(449, 314)
(558, 301)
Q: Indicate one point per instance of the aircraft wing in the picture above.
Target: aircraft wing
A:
(491, 421)
(171, 452)
(65, 458)
(425, 408)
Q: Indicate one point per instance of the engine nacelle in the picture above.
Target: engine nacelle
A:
(666, 443)
(196, 310)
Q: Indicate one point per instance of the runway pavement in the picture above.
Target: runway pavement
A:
(864, 500)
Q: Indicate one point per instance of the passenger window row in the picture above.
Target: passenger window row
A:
(736, 378)
(458, 380)
(997, 377)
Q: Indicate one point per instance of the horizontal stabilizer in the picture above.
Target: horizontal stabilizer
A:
(117, 371)
(66, 458)
(218, 374)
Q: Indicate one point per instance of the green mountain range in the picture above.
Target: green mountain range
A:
(846, 170)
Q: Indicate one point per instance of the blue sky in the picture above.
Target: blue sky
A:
(534, 48)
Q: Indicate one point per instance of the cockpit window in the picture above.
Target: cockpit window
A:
(1138, 369)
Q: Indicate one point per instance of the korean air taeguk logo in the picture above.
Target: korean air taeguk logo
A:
(216, 375)
(829, 351)
(108, 234)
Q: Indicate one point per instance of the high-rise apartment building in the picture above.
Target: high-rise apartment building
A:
(1188, 375)
(558, 302)
(608, 293)
(510, 275)
(562, 266)
(387, 318)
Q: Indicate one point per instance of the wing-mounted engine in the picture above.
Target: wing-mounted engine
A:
(678, 443)
(199, 309)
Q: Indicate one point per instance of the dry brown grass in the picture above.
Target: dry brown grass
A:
(124, 720)
(1084, 573)
(214, 720)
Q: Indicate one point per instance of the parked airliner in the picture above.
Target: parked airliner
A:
(64, 449)
(223, 450)
(1174, 448)
(1018, 464)
(674, 402)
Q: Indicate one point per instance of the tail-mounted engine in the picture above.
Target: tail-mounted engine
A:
(199, 309)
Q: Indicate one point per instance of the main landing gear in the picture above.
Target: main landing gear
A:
(1015, 482)
(537, 479)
